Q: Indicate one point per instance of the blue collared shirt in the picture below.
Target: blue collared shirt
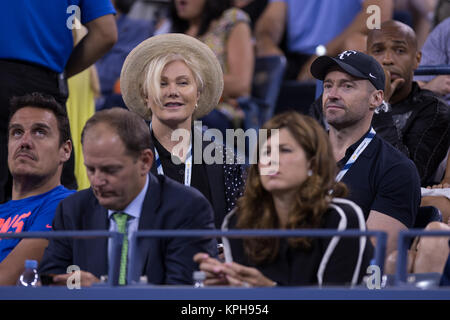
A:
(134, 210)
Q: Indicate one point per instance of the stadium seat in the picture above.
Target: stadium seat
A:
(267, 77)
(425, 215)
(297, 96)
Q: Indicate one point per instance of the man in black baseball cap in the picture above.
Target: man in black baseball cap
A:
(380, 179)
(354, 106)
(356, 64)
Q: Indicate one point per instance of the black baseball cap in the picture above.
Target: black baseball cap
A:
(353, 62)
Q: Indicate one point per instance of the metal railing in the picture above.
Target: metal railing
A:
(379, 254)
(116, 237)
(403, 246)
(432, 70)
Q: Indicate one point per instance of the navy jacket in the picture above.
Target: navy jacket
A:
(167, 205)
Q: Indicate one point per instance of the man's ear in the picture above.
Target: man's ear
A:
(376, 99)
(146, 158)
(65, 150)
(417, 60)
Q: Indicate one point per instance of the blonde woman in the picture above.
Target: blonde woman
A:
(171, 80)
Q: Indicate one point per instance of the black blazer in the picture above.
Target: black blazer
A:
(222, 180)
(167, 205)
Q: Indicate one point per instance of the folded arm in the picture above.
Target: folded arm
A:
(12, 266)
(101, 37)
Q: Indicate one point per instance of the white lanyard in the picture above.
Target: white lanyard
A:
(362, 146)
(187, 164)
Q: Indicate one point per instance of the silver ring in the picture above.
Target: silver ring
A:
(245, 284)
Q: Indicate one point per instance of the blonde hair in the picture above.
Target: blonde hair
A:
(152, 76)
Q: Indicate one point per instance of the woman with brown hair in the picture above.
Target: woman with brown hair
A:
(171, 80)
(298, 191)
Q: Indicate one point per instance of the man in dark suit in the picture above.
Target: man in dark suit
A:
(118, 158)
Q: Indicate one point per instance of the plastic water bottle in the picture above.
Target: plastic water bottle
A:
(29, 277)
(199, 278)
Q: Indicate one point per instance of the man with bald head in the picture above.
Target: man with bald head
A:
(415, 121)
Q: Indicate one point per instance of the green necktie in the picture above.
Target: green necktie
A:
(121, 221)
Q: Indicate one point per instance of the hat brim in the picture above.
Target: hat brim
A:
(321, 66)
(133, 75)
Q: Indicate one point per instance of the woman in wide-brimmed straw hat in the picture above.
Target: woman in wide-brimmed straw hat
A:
(171, 80)
(227, 31)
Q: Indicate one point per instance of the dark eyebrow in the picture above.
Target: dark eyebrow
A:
(34, 126)
(40, 125)
(14, 126)
(327, 81)
(347, 80)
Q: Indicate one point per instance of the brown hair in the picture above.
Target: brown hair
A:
(47, 102)
(256, 208)
(129, 126)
